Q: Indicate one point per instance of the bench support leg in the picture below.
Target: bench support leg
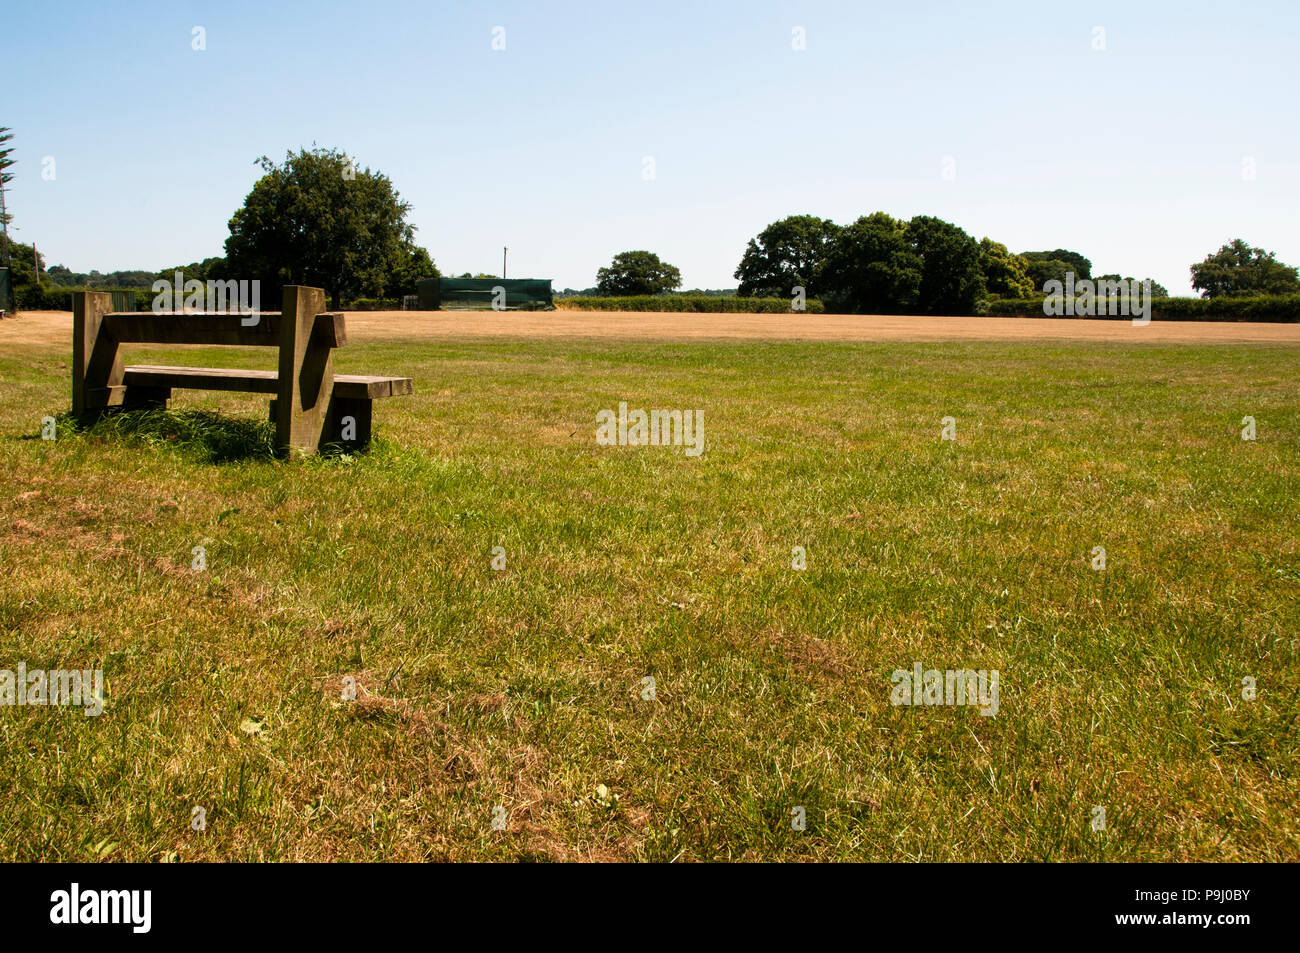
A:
(96, 363)
(146, 398)
(348, 423)
(306, 378)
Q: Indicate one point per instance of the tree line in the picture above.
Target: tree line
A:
(884, 265)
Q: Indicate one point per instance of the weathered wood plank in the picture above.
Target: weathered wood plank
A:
(147, 327)
(242, 380)
(201, 378)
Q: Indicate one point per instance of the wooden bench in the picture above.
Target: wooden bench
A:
(312, 407)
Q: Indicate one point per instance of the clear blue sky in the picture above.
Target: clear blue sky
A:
(1132, 156)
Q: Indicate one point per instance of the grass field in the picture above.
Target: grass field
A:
(523, 688)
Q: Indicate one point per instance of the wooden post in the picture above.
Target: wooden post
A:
(306, 373)
(351, 434)
(96, 363)
(146, 398)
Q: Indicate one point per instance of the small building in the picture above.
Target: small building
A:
(485, 294)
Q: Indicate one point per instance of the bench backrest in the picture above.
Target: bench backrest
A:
(303, 331)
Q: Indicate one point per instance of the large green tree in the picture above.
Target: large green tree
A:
(1005, 273)
(871, 268)
(638, 273)
(952, 281)
(881, 265)
(1075, 262)
(410, 267)
(1236, 270)
(319, 220)
(26, 267)
(1041, 271)
(784, 255)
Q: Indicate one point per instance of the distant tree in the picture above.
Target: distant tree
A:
(319, 220)
(23, 261)
(952, 281)
(1236, 270)
(638, 273)
(26, 274)
(786, 254)
(1157, 289)
(412, 265)
(1081, 266)
(1040, 271)
(133, 278)
(871, 268)
(63, 277)
(209, 269)
(1004, 272)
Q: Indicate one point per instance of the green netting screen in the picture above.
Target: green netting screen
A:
(477, 294)
(6, 295)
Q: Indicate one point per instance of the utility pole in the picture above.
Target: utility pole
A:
(503, 263)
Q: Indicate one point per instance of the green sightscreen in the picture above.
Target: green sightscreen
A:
(478, 294)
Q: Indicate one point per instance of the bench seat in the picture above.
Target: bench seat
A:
(347, 386)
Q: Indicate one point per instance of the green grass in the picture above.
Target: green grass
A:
(522, 688)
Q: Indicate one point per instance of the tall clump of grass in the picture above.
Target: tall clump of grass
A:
(216, 438)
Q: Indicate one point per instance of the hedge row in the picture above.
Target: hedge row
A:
(47, 297)
(695, 303)
(1277, 309)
